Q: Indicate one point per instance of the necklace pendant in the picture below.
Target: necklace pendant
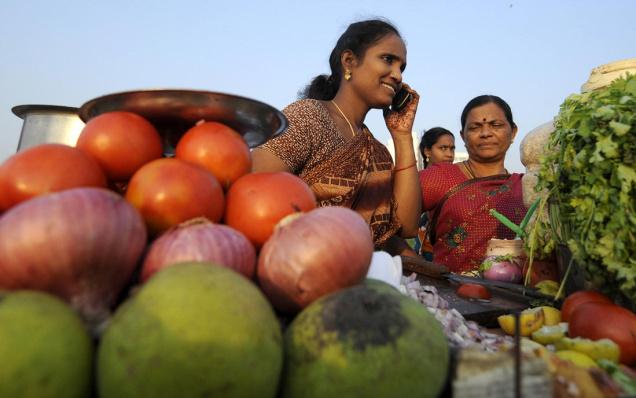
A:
(344, 117)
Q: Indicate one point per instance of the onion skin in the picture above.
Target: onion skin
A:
(81, 244)
(319, 252)
(504, 271)
(201, 240)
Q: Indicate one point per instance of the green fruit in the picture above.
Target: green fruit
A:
(193, 330)
(45, 350)
(549, 334)
(548, 287)
(365, 341)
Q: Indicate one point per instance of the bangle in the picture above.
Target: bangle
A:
(404, 168)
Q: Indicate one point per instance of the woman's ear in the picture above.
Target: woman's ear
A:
(514, 133)
(427, 152)
(461, 134)
(348, 60)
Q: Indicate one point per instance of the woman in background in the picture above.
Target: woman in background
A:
(459, 196)
(436, 146)
(328, 145)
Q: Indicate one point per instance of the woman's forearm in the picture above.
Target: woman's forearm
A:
(406, 186)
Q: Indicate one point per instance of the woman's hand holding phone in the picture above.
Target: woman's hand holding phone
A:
(400, 121)
(400, 100)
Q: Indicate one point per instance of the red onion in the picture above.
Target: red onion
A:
(80, 244)
(201, 240)
(316, 253)
(502, 268)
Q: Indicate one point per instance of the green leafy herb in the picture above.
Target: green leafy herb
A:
(519, 230)
(616, 372)
(589, 171)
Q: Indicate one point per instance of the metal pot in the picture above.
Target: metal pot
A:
(48, 124)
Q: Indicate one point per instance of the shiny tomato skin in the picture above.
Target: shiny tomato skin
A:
(170, 191)
(474, 291)
(121, 142)
(256, 202)
(46, 168)
(575, 299)
(601, 320)
(217, 148)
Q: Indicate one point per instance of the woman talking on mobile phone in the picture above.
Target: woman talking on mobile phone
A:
(328, 145)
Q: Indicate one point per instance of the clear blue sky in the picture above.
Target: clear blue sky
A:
(532, 53)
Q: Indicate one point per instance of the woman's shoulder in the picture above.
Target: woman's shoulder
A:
(516, 180)
(436, 180)
(441, 170)
(309, 118)
(305, 106)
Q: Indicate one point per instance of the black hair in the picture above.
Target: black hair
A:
(487, 99)
(358, 37)
(430, 137)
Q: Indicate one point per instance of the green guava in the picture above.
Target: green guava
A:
(365, 341)
(45, 349)
(192, 330)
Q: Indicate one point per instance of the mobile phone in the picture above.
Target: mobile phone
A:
(400, 100)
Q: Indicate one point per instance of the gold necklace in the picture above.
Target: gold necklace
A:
(472, 173)
(345, 118)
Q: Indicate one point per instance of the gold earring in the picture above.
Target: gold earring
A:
(347, 75)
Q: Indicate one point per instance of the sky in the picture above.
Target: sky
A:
(532, 53)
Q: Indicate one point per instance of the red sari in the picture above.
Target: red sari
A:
(464, 224)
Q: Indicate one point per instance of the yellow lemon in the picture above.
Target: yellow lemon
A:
(552, 316)
(599, 349)
(530, 320)
(577, 358)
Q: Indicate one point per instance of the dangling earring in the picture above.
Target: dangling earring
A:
(347, 75)
(427, 159)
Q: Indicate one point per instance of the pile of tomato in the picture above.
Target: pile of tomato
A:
(209, 175)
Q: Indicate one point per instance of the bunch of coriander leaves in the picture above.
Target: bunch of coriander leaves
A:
(589, 172)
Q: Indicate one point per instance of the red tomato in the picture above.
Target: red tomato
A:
(474, 291)
(121, 142)
(601, 320)
(169, 191)
(44, 169)
(218, 149)
(256, 202)
(575, 299)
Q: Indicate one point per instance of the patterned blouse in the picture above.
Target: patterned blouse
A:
(354, 173)
(464, 225)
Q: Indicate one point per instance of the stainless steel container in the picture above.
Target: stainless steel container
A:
(48, 124)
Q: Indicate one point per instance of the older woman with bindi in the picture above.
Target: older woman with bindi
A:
(460, 196)
(328, 145)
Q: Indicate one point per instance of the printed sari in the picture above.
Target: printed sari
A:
(362, 182)
(354, 173)
(464, 225)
